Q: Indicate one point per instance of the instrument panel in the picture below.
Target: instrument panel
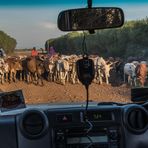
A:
(107, 126)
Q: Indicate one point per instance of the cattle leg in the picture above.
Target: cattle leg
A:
(36, 79)
(27, 79)
(62, 78)
(72, 78)
(6, 77)
(130, 81)
(106, 77)
(66, 77)
(42, 83)
(100, 76)
(124, 78)
(50, 77)
(135, 81)
(14, 77)
(21, 76)
(10, 77)
(100, 80)
(2, 78)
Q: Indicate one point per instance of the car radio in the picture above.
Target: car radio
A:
(99, 137)
(71, 130)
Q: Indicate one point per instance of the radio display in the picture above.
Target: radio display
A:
(85, 140)
(12, 100)
(99, 116)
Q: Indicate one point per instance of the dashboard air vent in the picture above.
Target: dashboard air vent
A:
(33, 124)
(137, 119)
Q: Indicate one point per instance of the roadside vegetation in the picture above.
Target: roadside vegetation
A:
(129, 40)
(7, 42)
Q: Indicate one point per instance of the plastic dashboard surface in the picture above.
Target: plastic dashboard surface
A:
(54, 126)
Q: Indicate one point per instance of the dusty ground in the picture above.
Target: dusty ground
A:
(52, 92)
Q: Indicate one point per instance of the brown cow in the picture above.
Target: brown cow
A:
(142, 73)
(35, 68)
(14, 66)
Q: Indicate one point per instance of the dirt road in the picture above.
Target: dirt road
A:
(52, 92)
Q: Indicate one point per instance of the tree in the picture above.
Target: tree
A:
(7, 43)
(131, 39)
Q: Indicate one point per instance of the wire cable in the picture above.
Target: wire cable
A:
(87, 98)
(87, 122)
(91, 142)
(84, 47)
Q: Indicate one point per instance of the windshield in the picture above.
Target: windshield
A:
(38, 58)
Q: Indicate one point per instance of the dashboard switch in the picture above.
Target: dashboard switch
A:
(64, 118)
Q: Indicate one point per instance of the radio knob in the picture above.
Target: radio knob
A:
(60, 140)
(113, 135)
(60, 136)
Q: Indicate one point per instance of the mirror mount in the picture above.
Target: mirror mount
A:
(89, 3)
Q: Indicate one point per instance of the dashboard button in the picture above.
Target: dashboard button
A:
(64, 118)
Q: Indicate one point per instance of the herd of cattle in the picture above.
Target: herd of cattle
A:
(62, 69)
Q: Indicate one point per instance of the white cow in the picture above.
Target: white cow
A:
(62, 71)
(130, 72)
(107, 69)
(102, 70)
(1, 62)
(2, 70)
(6, 71)
(73, 73)
(50, 68)
(1, 75)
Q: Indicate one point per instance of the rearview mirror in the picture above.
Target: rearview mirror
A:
(90, 19)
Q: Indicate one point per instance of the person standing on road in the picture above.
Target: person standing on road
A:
(2, 53)
(34, 52)
(51, 52)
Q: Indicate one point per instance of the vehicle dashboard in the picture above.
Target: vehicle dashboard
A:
(60, 126)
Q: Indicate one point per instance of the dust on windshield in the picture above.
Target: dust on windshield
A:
(41, 60)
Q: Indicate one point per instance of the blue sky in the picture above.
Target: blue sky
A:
(60, 2)
(31, 25)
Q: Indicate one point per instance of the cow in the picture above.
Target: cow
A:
(62, 71)
(14, 66)
(142, 73)
(73, 73)
(119, 69)
(102, 70)
(6, 72)
(34, 69)
(50, 69)
(130, 73)
(2, 70)
(1, 62)
(107, 68)
(1, 75)
(99, 62)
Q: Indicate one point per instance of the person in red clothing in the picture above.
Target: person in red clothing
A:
(34, 52)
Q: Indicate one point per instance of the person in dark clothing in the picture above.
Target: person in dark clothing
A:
(2, 53)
